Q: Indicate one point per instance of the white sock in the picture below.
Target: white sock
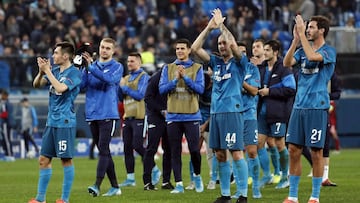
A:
(326, 173)
(294, 199)
(313, 198)
(179, 183)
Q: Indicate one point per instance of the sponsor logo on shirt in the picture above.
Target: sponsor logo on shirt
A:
(309, 71)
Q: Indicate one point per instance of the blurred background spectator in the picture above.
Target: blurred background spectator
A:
(150, 27)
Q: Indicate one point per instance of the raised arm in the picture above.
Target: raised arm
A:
(309, 51)
(289, 60)
(39, 80)
(199, 42)
(229, 37)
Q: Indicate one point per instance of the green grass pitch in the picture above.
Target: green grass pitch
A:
(18, 183)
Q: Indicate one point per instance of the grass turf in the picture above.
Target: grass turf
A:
(19, 183)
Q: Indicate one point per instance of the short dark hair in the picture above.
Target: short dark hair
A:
(322, 22)
(274, 44)
(259, 40)
(183, 41)
(4, 92)
(241, 44)
(25, 99)
(136, 54)
(66, 47)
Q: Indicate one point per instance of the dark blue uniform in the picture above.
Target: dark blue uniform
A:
(155, 107)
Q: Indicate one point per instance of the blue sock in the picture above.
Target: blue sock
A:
(44, 178)
(130, 176)
(249, 167)
(69, 172)
(264, 161)
(191, 168)
(241, 169)
(316, 184)
(155, 168)
(254, 166)
(284, 162)
(215, 168)
(294, 186)
(274, 153)
(224, 174)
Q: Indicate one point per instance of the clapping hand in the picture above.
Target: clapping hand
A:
(300, 26)
(87, 57)
(216, 20)
(180, 72)
(217, 16)
(44, 64)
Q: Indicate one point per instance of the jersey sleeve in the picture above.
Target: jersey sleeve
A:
(328, 54)
(73, 79)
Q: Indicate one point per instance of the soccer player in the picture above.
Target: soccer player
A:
(155, 104)
(334, 94)
(250, 98)
(274, 107)
(308, 120)
(100, 79)
(59, 134)
(226, 119)
(29, 125)
(133, 87)
(182, 81)
(6, 121)
(258, 58)
(204, 105)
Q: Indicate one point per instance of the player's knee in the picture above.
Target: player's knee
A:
(316, 153)
(252, 153)
(221, 155)
(294, 150)
(44, 162)
(66, 161)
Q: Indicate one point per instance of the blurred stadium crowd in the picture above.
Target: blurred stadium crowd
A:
(30, 28)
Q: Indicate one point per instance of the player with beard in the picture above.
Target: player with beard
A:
(226, 119)
(308, 120)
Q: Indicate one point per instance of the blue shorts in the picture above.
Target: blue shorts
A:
(227, 131)
(250, 132)
(307, 127)
(58, 142)
(271, 129)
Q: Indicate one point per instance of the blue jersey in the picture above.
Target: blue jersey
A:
(139, 93)
(101, 82)
(61, 105)
(252, 77)
(313, 78)
(204, 105)
(227, 84)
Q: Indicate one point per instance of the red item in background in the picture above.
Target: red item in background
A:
(332, 114)
(121, 109)
(4, 115)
